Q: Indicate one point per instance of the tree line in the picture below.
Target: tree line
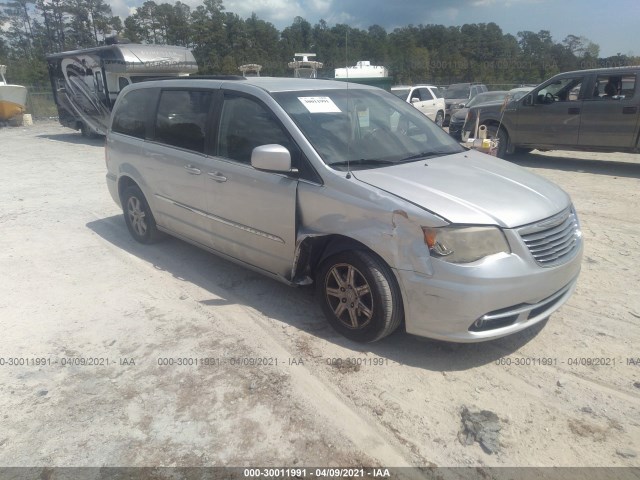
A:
(222, 41)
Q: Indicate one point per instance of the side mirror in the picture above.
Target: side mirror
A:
(272, 158)
(415, 99)
(528, 100)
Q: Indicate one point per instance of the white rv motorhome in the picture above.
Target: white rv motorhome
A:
(86, 82)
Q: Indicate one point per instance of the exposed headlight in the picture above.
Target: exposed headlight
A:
(464, 244)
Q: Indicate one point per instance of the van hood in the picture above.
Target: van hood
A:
(471, 188)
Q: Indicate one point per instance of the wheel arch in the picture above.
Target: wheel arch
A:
(125, 182)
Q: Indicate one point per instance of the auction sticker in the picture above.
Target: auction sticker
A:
(319, 104)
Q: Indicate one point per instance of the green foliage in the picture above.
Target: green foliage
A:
(222, 41)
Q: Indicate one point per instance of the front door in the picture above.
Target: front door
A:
(551, 114)
(253, 211)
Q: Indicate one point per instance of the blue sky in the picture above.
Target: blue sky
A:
(612, 25)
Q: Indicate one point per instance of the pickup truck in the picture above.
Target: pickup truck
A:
(589, 110)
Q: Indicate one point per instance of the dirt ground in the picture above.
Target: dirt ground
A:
(99, 337)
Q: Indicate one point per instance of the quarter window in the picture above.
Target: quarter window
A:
(130, 117)
(182, 117)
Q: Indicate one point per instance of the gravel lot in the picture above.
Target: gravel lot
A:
(94, 321)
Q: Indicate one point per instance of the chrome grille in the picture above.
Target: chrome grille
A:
(554, 240)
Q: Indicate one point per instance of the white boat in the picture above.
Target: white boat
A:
(303, 67)
(13, 98)
(362, 69)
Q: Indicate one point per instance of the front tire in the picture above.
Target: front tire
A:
(440, 119)
(503, 139)
(138, 216)
(359, 296)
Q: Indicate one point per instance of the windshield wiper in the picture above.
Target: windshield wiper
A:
(424, 155)
(362, 161)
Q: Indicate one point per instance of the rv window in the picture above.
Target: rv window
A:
(181, 118)
(130, 116)
(98, 79)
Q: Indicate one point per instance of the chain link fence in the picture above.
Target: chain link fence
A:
(40, 103)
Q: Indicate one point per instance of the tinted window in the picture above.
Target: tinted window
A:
(425, 94)
(457, 91)
(182, 117)
(130, 117)
(246, 124)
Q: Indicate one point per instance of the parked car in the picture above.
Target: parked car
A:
(349, 187)
(486, 110)
(457, 119)
(590, 110)
(459, 93)
(426, 98)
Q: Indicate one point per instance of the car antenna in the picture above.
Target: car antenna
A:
(346, 64)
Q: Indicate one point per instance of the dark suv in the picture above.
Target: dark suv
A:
(456, 95)
(591, 110)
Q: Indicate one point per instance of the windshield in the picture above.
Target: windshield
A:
(367, 127)
(487, 97)
(457, 92)
(438, 92)
(402, 93)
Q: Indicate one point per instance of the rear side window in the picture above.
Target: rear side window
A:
(615, 86)
(131, 114)
(182, 117)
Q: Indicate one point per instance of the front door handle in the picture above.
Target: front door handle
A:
(629, 110)
(192, 170)
(574, 111)
(217, 176)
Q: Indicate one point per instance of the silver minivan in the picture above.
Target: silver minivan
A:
(348, 187)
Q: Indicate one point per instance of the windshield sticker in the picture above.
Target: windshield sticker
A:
(363, 118)
(319, 104)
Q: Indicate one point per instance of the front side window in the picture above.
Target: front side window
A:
(362, 128)
(563, 90)
(246, 124)
(132, 111)
(425, 94)
(182, 117)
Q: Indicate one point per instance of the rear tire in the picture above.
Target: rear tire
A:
(359, 296)
(86, 131)
(138, 216)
